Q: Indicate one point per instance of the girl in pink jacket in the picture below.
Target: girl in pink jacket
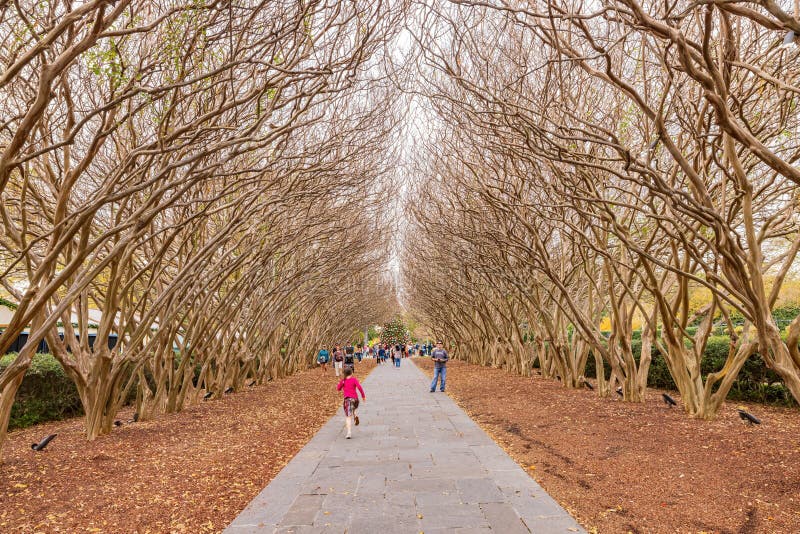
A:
(348, 386)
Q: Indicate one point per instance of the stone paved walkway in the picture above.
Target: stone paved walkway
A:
(417, 463)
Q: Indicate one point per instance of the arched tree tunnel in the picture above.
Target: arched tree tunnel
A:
(225, 186)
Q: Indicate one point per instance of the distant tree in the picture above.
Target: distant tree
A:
(394, 332)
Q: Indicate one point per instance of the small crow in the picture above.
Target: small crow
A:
(117, 423)
(749, 418)
(229, 390)
(588, 384)
(136, 417)
(208, 395)
(251, 384)
(619, 392)
(669, 401)
(42, 444)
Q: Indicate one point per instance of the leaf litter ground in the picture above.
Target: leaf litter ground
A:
(624, 467)
(188, 472)
(618, 467)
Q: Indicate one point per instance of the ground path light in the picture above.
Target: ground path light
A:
(42, 444)
(749, 418)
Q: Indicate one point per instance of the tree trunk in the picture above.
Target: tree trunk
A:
(7, 397)
(778, 358)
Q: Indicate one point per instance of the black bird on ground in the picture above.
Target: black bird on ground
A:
(588, 384)
(669, 401)
(117, 423)
(619, 392)
(208, 395)
(749, 418)
(251, 384)
(42, 444)
(136, 417)
(229, 390)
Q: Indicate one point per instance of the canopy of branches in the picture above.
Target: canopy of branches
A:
(588, 167)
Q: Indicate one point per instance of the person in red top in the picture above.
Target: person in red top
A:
(348, 386)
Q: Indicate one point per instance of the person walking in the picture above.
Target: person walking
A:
(349, 386)
(338, 360)
(398, 355)
(322, 359)
(349, 361)
(440, 357)
(381, 354)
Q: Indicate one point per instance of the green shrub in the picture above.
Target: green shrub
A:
(46, 393)
(755, 381)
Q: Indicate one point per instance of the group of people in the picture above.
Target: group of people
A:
(351, 387)
(343, 358)
(347, 356)
(397, 352)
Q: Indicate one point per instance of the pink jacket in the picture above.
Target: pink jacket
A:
(350, 384)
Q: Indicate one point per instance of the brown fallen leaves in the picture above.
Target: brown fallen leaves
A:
(622, 467)
(187, 472)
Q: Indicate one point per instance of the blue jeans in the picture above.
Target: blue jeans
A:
(437, 373)
(397, 362)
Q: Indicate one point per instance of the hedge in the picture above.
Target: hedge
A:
(46, 393)
(755, 381)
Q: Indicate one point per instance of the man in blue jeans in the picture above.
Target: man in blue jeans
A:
(439, 357)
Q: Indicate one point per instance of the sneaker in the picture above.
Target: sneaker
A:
(356, 418)
(347, 436)
(433, 391)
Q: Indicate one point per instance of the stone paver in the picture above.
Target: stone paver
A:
(417, 463)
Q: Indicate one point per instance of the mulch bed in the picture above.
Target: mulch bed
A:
(187, 472)
(624, 467)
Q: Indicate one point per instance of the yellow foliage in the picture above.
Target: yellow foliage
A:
(605, 324)
(789, 294)
(699, 297)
